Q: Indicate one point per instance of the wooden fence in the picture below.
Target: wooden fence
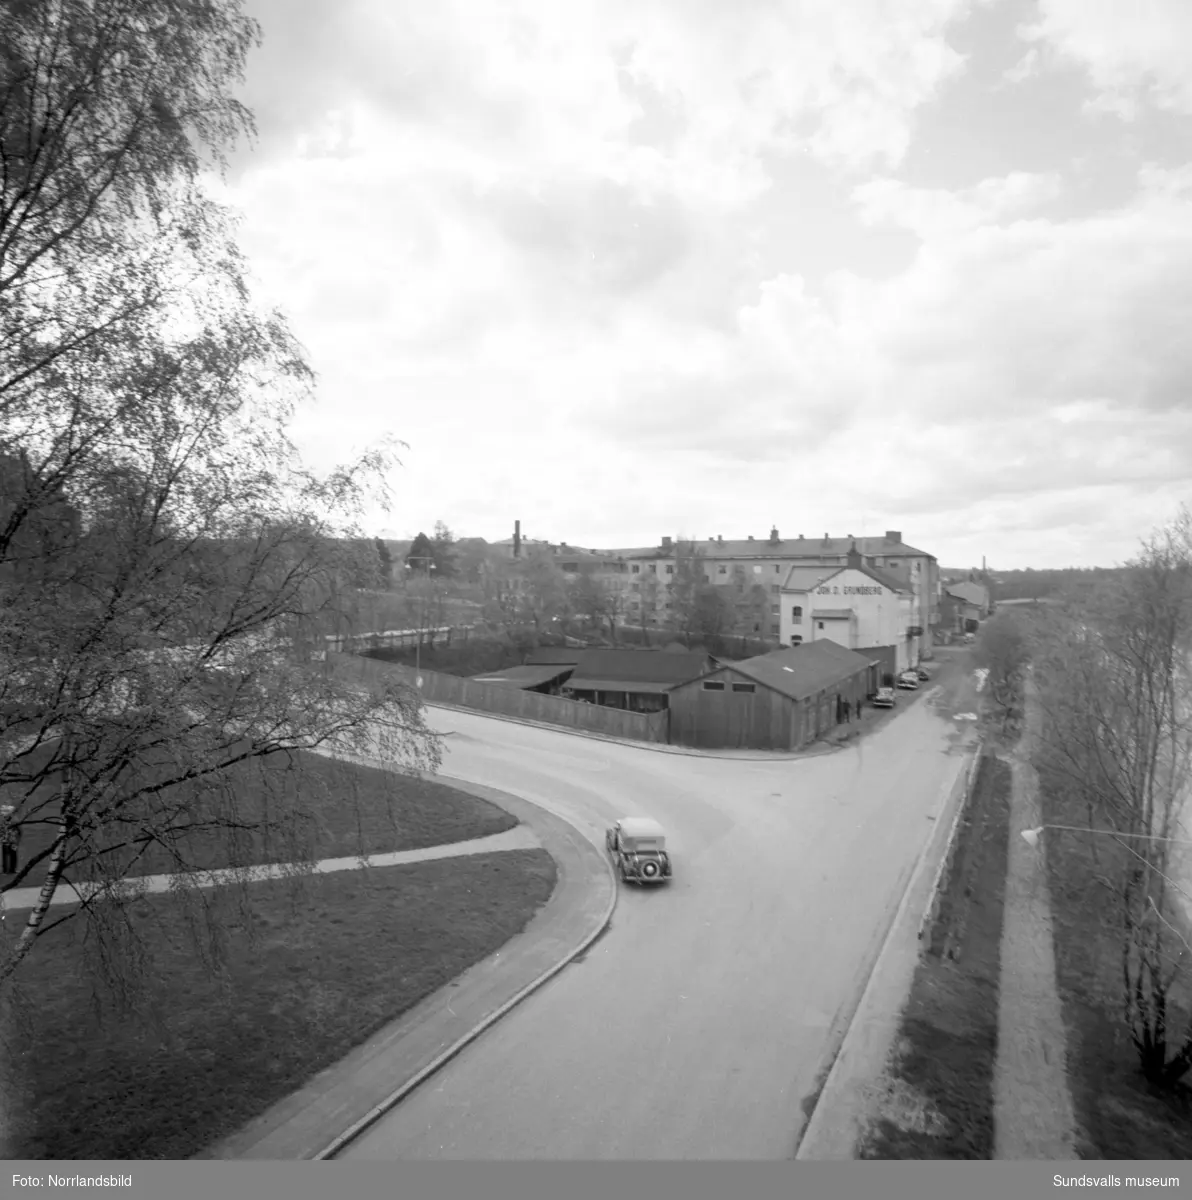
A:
(508, 701)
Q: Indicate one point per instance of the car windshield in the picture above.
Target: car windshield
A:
(643, 843)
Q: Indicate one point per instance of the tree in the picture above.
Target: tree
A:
(544, 593)
(443, 549)
(713, 613)
(589, 598)
(1003, 650)
(386, 559)
(1115, 687)
(421, 557)
(685, 587)
(169, 629)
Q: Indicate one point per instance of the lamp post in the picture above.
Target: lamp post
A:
(1031, 836)
(430, 567)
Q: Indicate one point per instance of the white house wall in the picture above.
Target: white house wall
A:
(880, 615)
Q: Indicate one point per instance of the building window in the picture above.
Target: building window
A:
(722, 571)
(775, 588)
(635, 569)
(891, 562)
(796, 640)
(821, 624)
(777, 570)
(653, 568)
(670, 570)
(797, 615)
(744, 687)
(757, 570)
(713, 687)
(773, 610)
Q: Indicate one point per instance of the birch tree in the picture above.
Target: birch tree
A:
(166, 559)
(1116, 688)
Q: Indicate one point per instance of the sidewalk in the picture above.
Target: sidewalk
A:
(1033, 1115)
(520, 838)
(315, 1122)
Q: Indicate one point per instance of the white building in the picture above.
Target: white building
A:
(855, 606)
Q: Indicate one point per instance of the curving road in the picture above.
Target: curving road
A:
(698, 1024)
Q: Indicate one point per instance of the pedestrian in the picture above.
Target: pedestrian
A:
(848, 711)
(10, 839)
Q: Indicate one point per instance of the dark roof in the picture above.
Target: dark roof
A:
(554, 654)
(810, 547)
(637, 687)
(803, 670)
(805, 579)
(639, 666)
(527, 676)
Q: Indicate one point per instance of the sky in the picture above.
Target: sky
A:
(687, 267)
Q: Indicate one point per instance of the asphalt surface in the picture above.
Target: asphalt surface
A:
(698, 1026)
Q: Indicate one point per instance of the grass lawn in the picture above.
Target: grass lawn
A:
(342, 809)
(939, 1099)
(1119, 1114)
(305, 983)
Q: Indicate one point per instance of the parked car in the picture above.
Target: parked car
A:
(909, 680)
(884, 698)
(638, 849)
(922, 674)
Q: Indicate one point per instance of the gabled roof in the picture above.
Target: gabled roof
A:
(972, 593)
(807, 579)
(802, 670)
(525, 676)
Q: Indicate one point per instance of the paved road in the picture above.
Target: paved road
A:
(698, 1024)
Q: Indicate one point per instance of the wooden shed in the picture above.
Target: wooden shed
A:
(778, 701)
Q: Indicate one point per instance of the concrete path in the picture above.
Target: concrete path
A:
(1033, 1114)
(520, 838)
(377, 1075)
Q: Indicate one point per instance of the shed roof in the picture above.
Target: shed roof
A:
(971, 593)
(526, 676)
(554, 654)
(636, 687)
(803, 670)
(640, 666)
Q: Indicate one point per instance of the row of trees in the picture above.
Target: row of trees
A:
(535, 592)
(1111, 666)
(167, 562)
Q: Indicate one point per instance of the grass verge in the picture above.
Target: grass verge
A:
(937, 1101)
(304, 804)
(1119, 1114)
(205, 1050)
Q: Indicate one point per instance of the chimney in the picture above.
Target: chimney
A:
(666, 543)
(800, 537)
(893, 535)
(751, 537)
(827, 540)
(719, 539)
(516, 538)
(774, 538)
(854, 555)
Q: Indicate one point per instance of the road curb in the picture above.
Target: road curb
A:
(832, 1129)
(439, 1062)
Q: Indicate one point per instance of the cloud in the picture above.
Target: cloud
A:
(936, 212)
(1135, 54)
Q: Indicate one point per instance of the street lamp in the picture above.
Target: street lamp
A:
(431, 566)
(1031, 836)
